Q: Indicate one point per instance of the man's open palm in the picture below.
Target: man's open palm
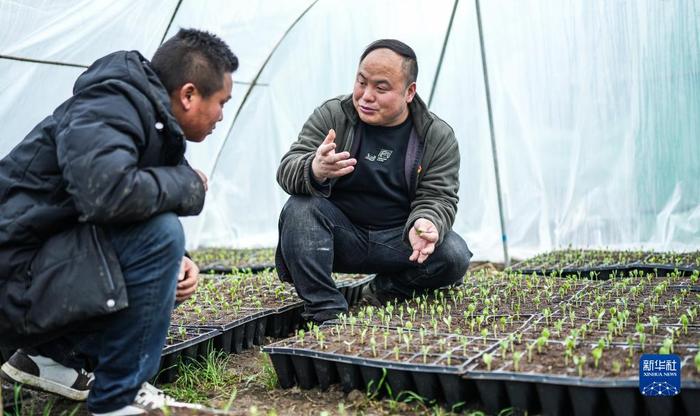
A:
(329, 164)
(422, 236)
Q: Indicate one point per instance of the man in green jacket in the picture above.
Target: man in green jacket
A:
(373, 180)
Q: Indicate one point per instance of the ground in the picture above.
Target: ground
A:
(245, 384)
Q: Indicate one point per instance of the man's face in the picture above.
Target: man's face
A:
(380, 95)
(203, 113)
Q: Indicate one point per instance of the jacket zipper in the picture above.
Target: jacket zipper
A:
(110, 279)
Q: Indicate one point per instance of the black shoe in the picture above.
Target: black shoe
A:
(371, 297)
(43, 373)
(327, 315)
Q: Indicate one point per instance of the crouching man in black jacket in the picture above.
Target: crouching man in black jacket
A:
(91, 248)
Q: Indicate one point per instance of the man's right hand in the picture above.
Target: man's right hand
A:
(329, 164)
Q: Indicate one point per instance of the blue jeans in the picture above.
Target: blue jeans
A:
(317, 238)
(125, 347)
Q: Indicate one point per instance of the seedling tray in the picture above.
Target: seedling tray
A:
(250, 330)
(434, 373)
(352, 288)
(562, 395)
(223, 260)
(192, 348)
(603, 272)
(284, 321)
(221, 269)
(606, 264)
(310, 368)
(341, 355)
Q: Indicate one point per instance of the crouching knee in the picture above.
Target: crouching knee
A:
(165, 232)
(455, 255)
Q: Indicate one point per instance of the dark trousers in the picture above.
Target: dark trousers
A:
(125, 346)
(317, 238)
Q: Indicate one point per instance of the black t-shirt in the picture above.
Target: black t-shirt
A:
(375, 194)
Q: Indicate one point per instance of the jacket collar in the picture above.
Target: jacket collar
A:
(422, 118)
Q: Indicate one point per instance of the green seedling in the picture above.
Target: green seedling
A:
(484, 334)
(503, 346)
(579, 361)
(517, 356)
(373, 346)
(530, 347)
(616, 367)
(666, 346)
(597, 353)
(488, 359)
(424, 350)
(654, 322)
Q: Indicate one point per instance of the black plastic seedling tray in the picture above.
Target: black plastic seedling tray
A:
(191, 349)
(255, 268)
(284, 321)
(453, 386)
(433, 379)
(245, 332)
(604, 272)
(352, 289)
(562, 395)
(242, 333)
(309, 369)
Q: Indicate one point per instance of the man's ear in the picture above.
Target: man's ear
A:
(184, 95)
(410, 92)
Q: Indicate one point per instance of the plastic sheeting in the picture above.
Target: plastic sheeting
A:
(460, 99)
(252, 28)
(79, 32)
(596, 111)
(30, 93)
(595, 105)
(315, 61)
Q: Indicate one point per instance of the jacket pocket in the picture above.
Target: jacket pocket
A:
(74, 276)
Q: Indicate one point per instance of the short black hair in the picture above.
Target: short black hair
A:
(194, 56)
(410, 62)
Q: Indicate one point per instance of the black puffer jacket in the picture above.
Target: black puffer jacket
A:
(112, 153)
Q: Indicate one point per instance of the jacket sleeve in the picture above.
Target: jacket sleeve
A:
(437, 192)
(97, 144)
(294, 172)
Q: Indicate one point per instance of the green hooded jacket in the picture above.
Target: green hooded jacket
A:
(431, 166)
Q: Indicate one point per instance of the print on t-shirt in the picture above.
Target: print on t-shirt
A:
(383, 156)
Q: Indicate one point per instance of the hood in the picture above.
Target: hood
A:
(133, 69)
